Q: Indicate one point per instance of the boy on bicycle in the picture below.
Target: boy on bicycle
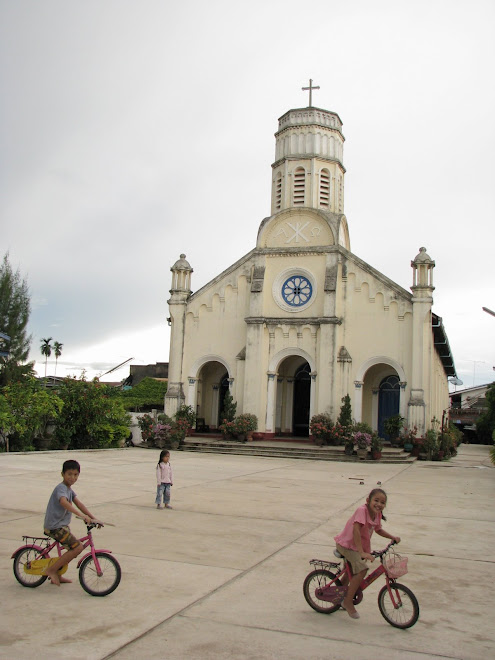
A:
(58, 516)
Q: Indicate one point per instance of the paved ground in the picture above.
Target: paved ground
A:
(221, 575)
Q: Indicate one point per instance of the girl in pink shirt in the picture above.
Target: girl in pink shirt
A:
(354, 542)
(164, 479)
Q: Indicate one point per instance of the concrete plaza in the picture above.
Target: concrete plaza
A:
(220, 576)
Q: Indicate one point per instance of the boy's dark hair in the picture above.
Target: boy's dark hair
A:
(71, 464)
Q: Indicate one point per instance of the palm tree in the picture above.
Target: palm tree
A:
(57, 349)
(46, 350)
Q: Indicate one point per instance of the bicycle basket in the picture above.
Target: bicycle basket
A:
(395, 565)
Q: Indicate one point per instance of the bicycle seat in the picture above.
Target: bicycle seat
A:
(337, 554)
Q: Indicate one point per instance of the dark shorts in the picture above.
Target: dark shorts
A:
(64, 536)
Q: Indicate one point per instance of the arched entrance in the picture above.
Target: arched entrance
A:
(293, 396)
(211, 384)
(302, 401)
(388, 402)
(379, 392)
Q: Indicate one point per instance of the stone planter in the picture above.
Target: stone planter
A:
(376, 455)
(362, 454)
(408, 446)
(348, 450)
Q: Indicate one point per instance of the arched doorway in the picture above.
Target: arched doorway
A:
(212, 383)
(388, 402)
(302, 401)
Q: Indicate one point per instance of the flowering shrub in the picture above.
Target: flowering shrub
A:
(161, 433)
(245, 423)
(145, 423)
(325, 431)
(242, 424)
(409, 434)
(362, 440)
(227, 428)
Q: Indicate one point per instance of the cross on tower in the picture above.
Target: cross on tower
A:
(310, 88)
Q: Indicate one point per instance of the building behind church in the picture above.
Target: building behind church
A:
(300, 321)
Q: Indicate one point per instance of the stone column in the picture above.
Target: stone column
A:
(289, 404)
(270, 403)
(422, 345)
(180, 292)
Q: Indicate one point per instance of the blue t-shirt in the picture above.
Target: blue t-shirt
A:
(56, 516)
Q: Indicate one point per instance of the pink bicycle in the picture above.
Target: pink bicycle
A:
(324, 592)
(99, 571)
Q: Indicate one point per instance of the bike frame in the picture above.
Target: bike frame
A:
(369, 579)
(45, 551)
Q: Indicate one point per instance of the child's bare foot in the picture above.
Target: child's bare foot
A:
(54, 577)
(167, 506)
(64, 580)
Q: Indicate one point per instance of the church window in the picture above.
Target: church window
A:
(294, 289)
(299, 186)
(278, 192)
(324, 188)
(297, 290)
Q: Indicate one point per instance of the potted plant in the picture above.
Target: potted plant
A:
(345, 415)
(161, 435)
(146, 423)
(349, 445)
(319, 427)
(376, 446)
(430, 445)
(244, 425)
(362, 442)
(227, 429)
(409, 435)
(393, 426)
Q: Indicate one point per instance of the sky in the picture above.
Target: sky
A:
(132, 132)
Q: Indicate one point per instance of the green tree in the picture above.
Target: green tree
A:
(229, 408)
(46, 350)
(25, 410)
(15, 307)
(57, 351)
(93, 416)
(485, 426)
(145, 396)
(345, 416)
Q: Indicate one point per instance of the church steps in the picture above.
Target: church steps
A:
(279, 450)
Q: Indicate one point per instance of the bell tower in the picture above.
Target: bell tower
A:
(308, 170)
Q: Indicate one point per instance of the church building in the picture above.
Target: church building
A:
(300, 321)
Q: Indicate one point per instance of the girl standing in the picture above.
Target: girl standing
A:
(164, 479)
(354, 543)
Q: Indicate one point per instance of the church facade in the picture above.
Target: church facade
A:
(300, 321)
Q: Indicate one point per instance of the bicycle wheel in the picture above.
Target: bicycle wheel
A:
(317, 580)
(406, 610)
(22, 559)
(104, 584)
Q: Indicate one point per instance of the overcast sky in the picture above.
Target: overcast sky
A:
(134, 130)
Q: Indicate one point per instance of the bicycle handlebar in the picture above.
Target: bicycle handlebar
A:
(380, 553)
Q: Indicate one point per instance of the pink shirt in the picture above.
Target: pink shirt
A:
(367, 527)
(164, 474)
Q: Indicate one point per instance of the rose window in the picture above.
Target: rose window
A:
(296, 291)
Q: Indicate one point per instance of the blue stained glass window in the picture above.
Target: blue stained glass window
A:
(297, 290)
